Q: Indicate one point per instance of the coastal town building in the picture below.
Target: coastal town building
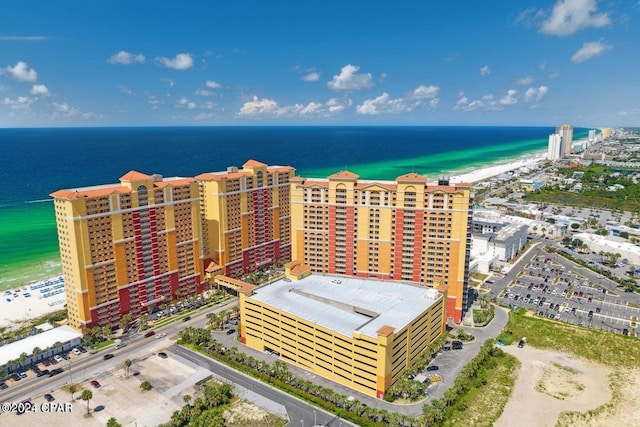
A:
(126, 248)
(553, 149)
(405, 230)
(359, 332)
(38, 346)
(566, 133)
(495, 239)
(245, 217)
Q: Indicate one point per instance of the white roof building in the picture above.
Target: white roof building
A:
(65, 335)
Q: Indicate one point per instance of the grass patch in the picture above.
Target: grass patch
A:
(483, 406)
(598, 346)
(101, 345)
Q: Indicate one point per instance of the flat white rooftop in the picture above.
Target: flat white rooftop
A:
(347, 304)
(43, 340)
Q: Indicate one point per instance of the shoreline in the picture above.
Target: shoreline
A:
(494, 170)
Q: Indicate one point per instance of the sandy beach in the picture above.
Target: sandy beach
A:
(495, 170)
(18, 305)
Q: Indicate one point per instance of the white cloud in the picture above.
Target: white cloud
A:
(22, 38)
(524, 81)
(66, 111)
(183, 102)
(426, 92)
(126, 91)
(212, 85)
(535, 94)
(384, 104)
(204, 92)
(41, 90)
(21, 103)
(22, 72)
(264, 107)
(570, 16)
(182, 61)
(348, 79)
(510, 98)
(589, 50)
(126, 58)
(311, 77)
(485, 71)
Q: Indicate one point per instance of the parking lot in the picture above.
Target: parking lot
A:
(117, 395)
(556, 288)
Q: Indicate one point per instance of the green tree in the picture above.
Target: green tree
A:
(112, 422)
(72, 388)
(145, 386)
(87, 395)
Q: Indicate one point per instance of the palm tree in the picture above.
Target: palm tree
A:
(112, 422)
(71, 388)
(87, 395)
(127, 365)
(36, 351)
(145, 386)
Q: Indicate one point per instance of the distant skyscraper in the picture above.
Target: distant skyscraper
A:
(553, 150)
(566, 132)
(592, 136)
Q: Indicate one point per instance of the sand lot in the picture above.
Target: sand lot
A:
(556, 389)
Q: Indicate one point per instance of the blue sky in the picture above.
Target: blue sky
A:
(468, 62)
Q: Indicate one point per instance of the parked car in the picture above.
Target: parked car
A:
(49, 397)
(163, 355)
(46, 362)
(43, 373)
(230, 331)
(56, 372)
(58, 358)
(432, 368)
(95, 383)
(76, 351)
(456, 345)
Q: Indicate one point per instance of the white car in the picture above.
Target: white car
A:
(162, 335)
(76, 351)
(58, 358)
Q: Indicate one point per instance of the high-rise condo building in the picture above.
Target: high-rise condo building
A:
(246, 217)
(566, 132)
(126, 248)
(405, 230)
(553, 149)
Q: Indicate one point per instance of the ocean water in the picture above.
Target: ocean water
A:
(37, 162)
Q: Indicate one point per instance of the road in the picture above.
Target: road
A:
(300, 413)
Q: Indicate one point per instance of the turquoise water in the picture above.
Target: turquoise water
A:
(38, 162)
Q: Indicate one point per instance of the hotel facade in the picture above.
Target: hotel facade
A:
(405, 230)
(361, 333)
(128, 247)
(246, 217)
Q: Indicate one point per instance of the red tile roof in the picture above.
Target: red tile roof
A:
(253, 164)
(386, 330)
(344, 175)
(134, 176)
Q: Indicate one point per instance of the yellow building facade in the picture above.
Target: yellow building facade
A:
(359, 333)
(128, 247)
(246, 216)
(405, 229)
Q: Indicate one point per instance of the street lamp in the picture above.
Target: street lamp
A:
(314, 418)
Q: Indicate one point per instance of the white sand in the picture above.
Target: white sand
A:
(22, 308)
(550, 383)
(492, 171)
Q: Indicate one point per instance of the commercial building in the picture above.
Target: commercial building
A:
(246, 217)
(361, 333)
(128, 247)
(495, 239)
(404, 230)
